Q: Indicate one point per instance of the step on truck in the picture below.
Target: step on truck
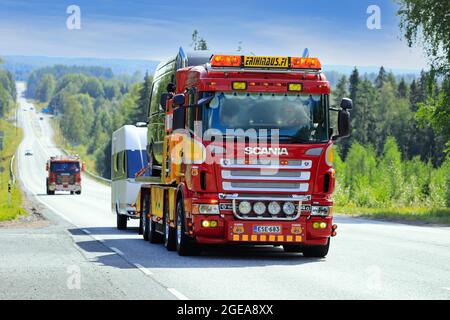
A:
(64, 174)
(240, 151)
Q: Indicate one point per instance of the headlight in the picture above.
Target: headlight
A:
(320, 211)
(289, 208)
(208, 209)
(274, 208)
(245, 207)
(259, 208)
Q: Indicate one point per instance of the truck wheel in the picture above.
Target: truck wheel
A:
(292, 248)
(144, 219)
(153, 235)
(121, 221)
(184, 244)
(316, 251)
(169, 233)
(141, 225)
(72, 193)
(78, 192)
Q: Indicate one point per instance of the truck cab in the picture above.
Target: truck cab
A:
(64, 174)
(242, 148)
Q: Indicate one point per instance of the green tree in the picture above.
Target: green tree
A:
(45, 89)
(353, 85)
(72, 121)
(429, 21)
(141, 110)
(93, 87)
(381, 78)
(402, 89)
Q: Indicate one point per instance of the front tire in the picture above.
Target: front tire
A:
(316, 251)
(184, 244)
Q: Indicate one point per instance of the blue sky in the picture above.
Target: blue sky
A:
(333, 30)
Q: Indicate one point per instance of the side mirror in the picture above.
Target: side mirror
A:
(178, 100)
(343, 124)
(346, 104)
(83, 167)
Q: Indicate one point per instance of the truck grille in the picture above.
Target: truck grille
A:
(65, 179)
(292, 176)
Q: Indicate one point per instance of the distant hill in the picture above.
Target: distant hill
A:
(22, 66)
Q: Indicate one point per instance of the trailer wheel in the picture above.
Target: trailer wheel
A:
(121, 221)
(292, 248)
(72, 193)
(184, 244)
(316, 251)
(78, 192)
(144, 219)
(169, 233)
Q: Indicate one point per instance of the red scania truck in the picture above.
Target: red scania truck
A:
(240, 151)
(64, 174)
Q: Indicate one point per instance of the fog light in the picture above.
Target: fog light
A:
(323, 225)
(289, 208)
(259, 208)
(245, 207)
(205, 224)
(274, 208)
(316, 225)
(213, 224)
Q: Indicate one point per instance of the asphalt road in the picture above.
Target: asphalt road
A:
(81, 255)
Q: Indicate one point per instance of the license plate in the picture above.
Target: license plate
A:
(266, 62)
(266, 229)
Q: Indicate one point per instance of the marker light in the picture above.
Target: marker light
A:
(245, 207)
(259, 208)
(274, 208)
(226, 61)
(305, 63)
(239, 85)
(289, 208)
(329, 156)
(295, 87)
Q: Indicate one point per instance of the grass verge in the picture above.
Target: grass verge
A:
(10, 143)
(427, 215)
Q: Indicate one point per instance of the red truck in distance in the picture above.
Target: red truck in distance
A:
(64, 174)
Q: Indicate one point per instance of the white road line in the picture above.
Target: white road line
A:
(446, 288)
(143, 269)
(120, 253)
(177, 294)
(98, 239)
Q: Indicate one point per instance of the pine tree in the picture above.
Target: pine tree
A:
(353, 86)
(341, 90)
(141, 111)
(381, 78)
(402, 89)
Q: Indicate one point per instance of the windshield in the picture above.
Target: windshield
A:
(65, 167)
(299, 118)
